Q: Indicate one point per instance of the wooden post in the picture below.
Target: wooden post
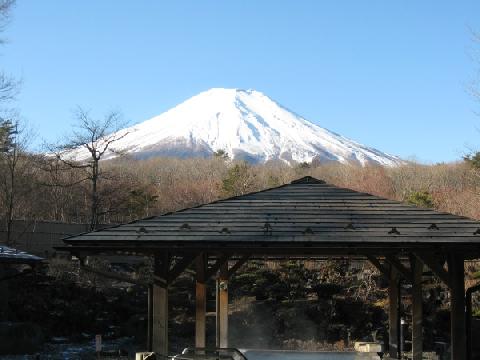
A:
(417, 309)
(468, 331)
(160, 305)
(457, 306)
(200, 302)
(150, 318)
(393, 318)
(222, 307)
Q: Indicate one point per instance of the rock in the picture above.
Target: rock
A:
(59, 340)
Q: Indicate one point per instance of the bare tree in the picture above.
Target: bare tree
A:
(475, 85)
(8, 85)
(473, 156)
(91, 141)
(5, 9)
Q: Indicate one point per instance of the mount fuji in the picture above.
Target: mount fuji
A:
(247, 125)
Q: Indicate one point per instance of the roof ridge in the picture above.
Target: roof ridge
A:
(308, 180)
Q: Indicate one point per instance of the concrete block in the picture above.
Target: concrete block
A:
(368, 347)
(145, 356)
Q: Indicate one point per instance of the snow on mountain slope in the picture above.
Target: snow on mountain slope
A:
(247, 125)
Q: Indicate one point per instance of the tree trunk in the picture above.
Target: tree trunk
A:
(10, 190)
(94, 207)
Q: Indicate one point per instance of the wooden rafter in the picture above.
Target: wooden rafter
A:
(112, 275)
(201, 266)
(401, 269)
(160, 268)
(216, 266)
(385, 272)
(180, 266)
(238, 265)
(435, 265)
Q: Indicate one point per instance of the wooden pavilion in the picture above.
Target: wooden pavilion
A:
(304, 219)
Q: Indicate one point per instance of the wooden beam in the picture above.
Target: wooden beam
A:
(417, 309)
(457, 306)
(180, 266)
(222, 260)
(222, 307)
(280, 249)
(402, 270)
(4, 290)
(200, 301)
(201, 264)
(161, 266)
(160, 304)
(238, 265)
(160, 320)
(112, 275)
(468, 306)
(380, 267)
(436, 267)
(150, 318)
(393, 318)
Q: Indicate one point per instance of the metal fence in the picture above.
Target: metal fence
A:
(39, 237)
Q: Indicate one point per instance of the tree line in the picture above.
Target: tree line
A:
(48, 187)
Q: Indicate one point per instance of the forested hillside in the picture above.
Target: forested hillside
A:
(127, 189)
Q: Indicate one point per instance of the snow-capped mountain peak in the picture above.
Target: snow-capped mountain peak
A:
(246, 124)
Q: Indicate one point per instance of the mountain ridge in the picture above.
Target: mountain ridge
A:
(247, 125)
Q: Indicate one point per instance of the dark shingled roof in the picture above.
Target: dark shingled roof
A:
(308, 212)
(14, 256)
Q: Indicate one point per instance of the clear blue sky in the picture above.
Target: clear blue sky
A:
(389, 74)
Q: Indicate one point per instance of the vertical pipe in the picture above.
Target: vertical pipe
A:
(402, 336)
(222, 307)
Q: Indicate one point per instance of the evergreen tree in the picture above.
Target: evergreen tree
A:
(304, 165)
(221, 154)
(473, 160)
(7, 131)
(239, 180)
(421, 199)
(14, 140)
